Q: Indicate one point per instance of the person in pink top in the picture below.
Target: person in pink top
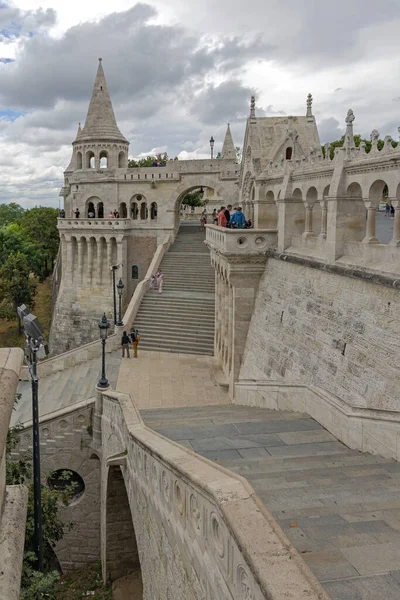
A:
(222, 218)
(160, 281)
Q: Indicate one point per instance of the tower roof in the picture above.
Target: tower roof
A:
(100, 121)
(228, 149)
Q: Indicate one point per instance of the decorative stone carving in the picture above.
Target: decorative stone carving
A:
(243, 584)
(217, 535)
(195, 514)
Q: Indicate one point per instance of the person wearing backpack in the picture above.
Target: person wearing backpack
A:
(135, 339)
(125, 344)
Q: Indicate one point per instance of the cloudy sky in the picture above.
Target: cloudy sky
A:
(178, 71)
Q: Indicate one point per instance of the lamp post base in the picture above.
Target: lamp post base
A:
(103, 383)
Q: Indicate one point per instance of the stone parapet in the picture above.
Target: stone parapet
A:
(240, 241)
(209, 532)
(76, 224)
(13, 499)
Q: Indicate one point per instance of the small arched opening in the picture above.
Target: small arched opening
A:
(103, 159)
(135, 272)
(90, 161)
(267, 212)
(153, 211)
(123, 211)
(143, 211)
(298, 217)
(134, 210)
(121, 160)
(91, 213)
(121, 552)
(355, 226)
(100, 210)
(289, 152)
(79, 160)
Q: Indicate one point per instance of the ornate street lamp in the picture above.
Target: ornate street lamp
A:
(212, 142)
(120, 288)
(201, 193)
(103, 326)
(35, 350)
(113, 268)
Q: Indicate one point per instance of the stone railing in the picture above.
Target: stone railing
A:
(212, 529)
(13, 504)
(105, 223)
(240, 241)
(86, 352)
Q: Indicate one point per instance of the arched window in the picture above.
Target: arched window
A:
(134, 210)
(289, 152)
(121, 160)
(91, 214)
(135, 272)
(143, 211)
(100, 210)
(123, 213)
(90, 162)
(79, 160)
(103, 160)
(153, 211)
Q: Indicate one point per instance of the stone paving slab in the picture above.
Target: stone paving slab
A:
(339, 507)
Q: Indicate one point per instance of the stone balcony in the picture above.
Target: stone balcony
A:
(240, 241)
(121, 224)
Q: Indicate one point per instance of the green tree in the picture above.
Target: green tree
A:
(10, 212)
(194, 199)
(13, 238)
(149, 161)
(16, 286)
(40, 225)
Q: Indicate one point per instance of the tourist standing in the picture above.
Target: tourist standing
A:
(62, 214)
(125, 344)
(153, 282)
(228, 214)
(392, 210)
(203, 220)
(387, 209)
(222, 217)
(215, 216)
(77, 213)
(238, 220)
(135, 339)
(160, 281)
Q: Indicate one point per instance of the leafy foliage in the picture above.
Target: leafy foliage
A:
(35, 584)
(150, 161)
(9, 213)
(16, 286)
(194, 199)
(357, 140)
(40, 226)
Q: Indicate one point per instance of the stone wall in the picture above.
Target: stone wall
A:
(336, 336)
(65, 443)
(140, 250)
(201, 532)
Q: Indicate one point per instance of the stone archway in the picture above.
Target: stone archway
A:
(195, 183)
(122, 565)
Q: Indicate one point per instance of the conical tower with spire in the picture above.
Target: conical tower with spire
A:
(228, 148)
(100, 143)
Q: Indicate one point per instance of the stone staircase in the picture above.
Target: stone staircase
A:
(181, 319)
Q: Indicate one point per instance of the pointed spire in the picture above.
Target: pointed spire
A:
(309, 105)
(228, 149)
(253, 108)
(100, 121)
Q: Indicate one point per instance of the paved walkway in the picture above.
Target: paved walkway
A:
(66, 387)
(340, 507)
(162, 380)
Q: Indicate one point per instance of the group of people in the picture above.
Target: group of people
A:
(227, 217)
(389, 210)
(127, 339)
(157, 280)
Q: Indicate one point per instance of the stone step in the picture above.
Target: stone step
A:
(175, 312)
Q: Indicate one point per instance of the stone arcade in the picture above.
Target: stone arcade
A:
(306, 347)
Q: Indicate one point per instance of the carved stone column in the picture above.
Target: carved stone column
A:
(80, 261)
(396, 225)
(90, 261)
(370, 237)
(70, 260)
(308, 228)
(324, 218)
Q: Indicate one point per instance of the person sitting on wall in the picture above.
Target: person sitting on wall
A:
(238, 220)
(90, 214)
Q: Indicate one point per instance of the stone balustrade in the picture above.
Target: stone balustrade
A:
(240, 241)
(74, 224)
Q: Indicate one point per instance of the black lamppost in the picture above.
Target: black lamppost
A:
(120, 288)
(113, 268)
(201, 193)
(34, 351)
(212, 141)
(103, 326)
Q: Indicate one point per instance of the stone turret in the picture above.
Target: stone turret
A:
(99, 144)
(228, 149)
